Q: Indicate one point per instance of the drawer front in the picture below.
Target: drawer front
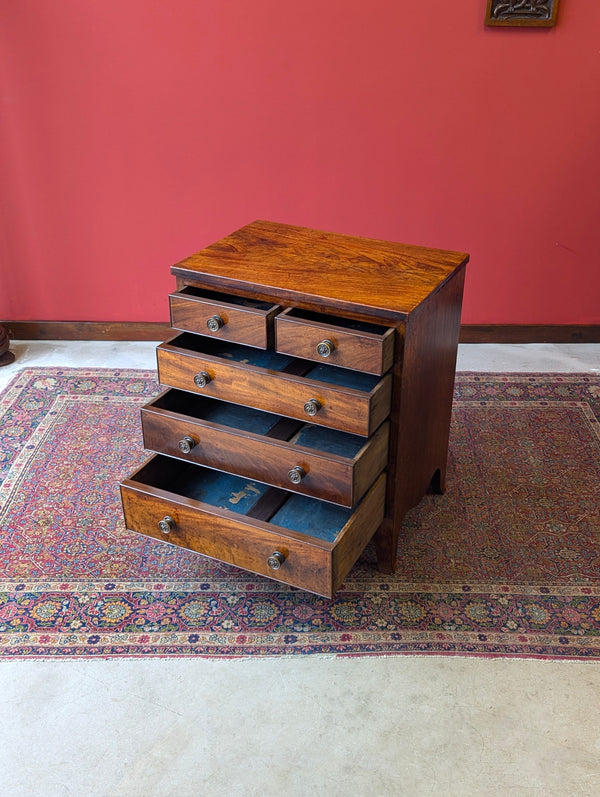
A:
(340, 479)
(241, 542)
(356, 346)
(249, 543)
(296, 397)
(239, 320)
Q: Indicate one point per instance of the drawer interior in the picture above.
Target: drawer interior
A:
(202, 408)
(234, 352)
(251, 499)
(329, 441)
(224, 298)
(343, 377)
(264, 358)
(311, 517)
(246, 419)
(336, 321)
(201, 484)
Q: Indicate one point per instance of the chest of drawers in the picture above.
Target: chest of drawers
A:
(309, 391)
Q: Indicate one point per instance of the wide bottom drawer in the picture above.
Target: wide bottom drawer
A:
(298, 540)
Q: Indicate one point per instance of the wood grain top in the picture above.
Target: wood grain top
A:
(310, 268)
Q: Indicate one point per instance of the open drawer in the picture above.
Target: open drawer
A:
(338, 341)
(304, 458)
(335, 397)
(301, 541)
(235, 318)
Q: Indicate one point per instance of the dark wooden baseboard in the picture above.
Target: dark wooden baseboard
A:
(149, 330)
(87, 330)
(530, 333)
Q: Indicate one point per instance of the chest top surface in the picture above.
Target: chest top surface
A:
(311, 268)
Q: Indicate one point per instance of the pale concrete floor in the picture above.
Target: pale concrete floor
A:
(307, 725)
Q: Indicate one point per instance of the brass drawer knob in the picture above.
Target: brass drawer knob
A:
(312, 407)
(324, 348)
(215, 323)
(202, 379)
(275, 560)
(166, 525)
(296, 474)
(186, 444)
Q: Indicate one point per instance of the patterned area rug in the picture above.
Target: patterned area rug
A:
(507, 563)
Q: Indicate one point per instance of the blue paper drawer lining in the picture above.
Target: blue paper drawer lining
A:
(312, 517)
(226, 491)
(329, 441)
(305, 515)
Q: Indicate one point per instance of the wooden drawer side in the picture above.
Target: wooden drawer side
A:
(363, 525)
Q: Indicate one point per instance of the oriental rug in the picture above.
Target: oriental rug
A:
(506, 563)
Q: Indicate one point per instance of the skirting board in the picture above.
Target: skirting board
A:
(87, 330)
(135, 330)
(530, 333)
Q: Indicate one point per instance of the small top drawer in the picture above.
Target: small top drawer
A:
(234, 318)
(336, 341)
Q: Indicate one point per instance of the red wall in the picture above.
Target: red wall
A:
(134, 132)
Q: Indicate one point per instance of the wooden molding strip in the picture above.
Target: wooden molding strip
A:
(87, 330)
(150, 330)
(530, 333)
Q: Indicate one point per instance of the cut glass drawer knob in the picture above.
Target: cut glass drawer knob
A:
(186, 444)
(312, 407)
(166, 525)
(275, 560)
(324, 348)
(296, 474)
(202, 379)
(215, 323)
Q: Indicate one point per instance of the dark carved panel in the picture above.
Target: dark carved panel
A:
(521, 12)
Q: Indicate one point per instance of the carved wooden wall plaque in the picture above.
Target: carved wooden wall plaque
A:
(535, 13)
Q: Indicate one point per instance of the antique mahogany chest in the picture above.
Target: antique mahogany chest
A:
(310, 382)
